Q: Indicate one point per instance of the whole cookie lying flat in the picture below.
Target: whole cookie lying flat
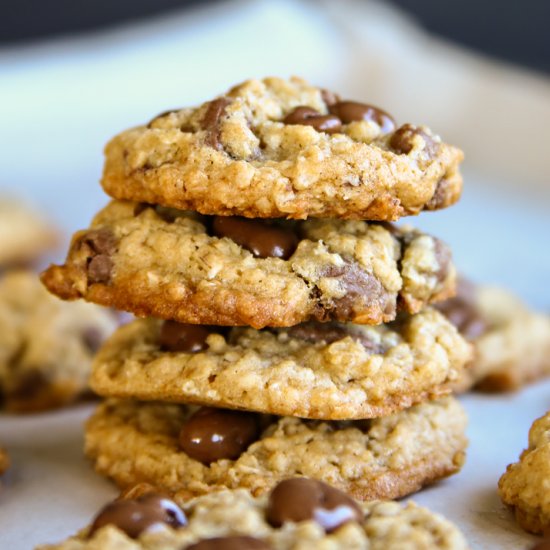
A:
(299, 513)
(330, 371)
(181, 450)
(46, 345)
(511, 342)
(24, 234)
(525, 486)
(231, 271)
(282, 148)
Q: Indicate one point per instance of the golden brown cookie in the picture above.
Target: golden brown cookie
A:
(183, 450)
(279, 148)
(230, 271)
(46, 345)
(511, 342)
(4, 461)
(314, 516)
(330, 371)
(525, 486)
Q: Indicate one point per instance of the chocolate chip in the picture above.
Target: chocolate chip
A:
(98, 246)
(175, 336)
(402, 140)
(136, 516)
(230, 543)
(329, 333)
(261, 238)
(307, 116)
(211, 121)
(302, 499)
(212, 434)
(439, 198)
(443, 257)
(161, 115)
(350, 111)
(360, 288)
(329, 97)
(543, 545)
(463, 312)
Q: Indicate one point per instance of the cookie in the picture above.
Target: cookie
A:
(330, 371)
(180, 449)
(525, 486)
(511, 342)
(279, 148)
(24, 234)
(299, 513)
(231, 271)
(46, 346)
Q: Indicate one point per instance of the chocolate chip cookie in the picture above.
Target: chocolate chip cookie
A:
(277, 148)
(180, 449)
(198, 269)
(24, 235)
(331, 371)
(46, 346)
(511, 342)
(299, 513)
(525, 486)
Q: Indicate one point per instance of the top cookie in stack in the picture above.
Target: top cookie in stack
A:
(284, 149)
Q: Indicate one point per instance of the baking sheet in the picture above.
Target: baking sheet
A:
(51, 490)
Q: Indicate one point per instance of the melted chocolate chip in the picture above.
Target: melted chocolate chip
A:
(350, 111)
(136, 516)
(361, 288)
(175, 336)
(302, 499)
(230, 543)
(211, 121)
(98, 245)
(329, 333)
(307, 116)
(213, 434)
(259, 237)
(439, 197)
(463, 313)
(402, 140)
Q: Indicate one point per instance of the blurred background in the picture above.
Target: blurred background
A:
(72, 74)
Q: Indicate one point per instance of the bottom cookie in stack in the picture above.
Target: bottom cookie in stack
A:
(299, 513)
(190, 451)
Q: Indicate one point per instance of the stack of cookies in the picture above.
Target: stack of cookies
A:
(286, 326)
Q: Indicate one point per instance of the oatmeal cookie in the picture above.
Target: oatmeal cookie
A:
(511, 342)
(180, 449)
(196, 269)
(46, 345)
(299, 513)
(24, 235)
(525, 486)
(279, 148)
(330, 371)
